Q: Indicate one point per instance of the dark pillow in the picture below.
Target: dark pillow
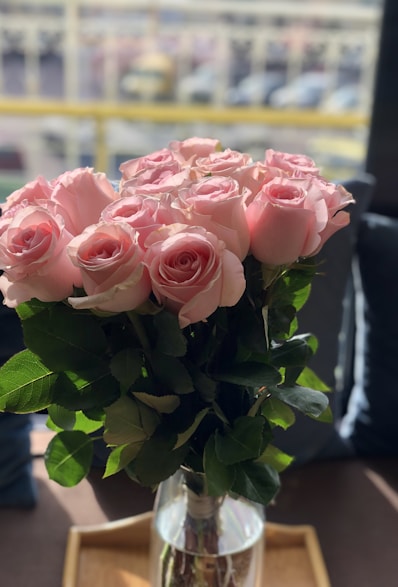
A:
(17, 485)
(371, 419)
(323, 315)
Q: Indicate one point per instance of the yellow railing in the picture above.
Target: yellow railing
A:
(100, 112)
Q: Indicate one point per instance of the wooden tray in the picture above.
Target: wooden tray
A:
(116, 554)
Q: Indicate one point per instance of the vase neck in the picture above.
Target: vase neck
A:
(201, 507)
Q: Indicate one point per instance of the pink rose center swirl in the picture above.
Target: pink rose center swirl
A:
(127, 210)
(31, 237)
(185, 266)
(101, 250)
(285, 193)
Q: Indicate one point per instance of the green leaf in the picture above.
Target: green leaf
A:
(183, 437)
(295, 285)
(64, 339)
(204, 385)
(249, 320)
(158, 449)
(256, 481)
(291, 374)
(51, 426)
(282, 321)
(308, 378)
(308, 401)
(296, 351)
(69, 420)
(278, 413)
(123, 422)
(126, 367)
(96, 414)
(120, 457)
(83, 390)
(219, 477)
(164, 404)
(170, 338)
(276, 458)
(242, 442)
(68, 457)
(250, 374)
(32, 307)
(60, 418)
(171, 373)
(326, 417)
(293, 327)
(150, 419)
(301, 296)
(26, 385)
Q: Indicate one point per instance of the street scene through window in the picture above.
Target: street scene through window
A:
(87, 83)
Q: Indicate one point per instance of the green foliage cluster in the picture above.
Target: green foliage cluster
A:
(207, 397)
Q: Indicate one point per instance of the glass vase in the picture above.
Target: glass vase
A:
(203, 541)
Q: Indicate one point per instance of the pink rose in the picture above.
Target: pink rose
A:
(81, 196)
(189, 150)
(137, 211)
(34, 192)
(226, 162)
(279, 223)
(33, 256)
(192, 272)
(110, 262)
(334, 198)
(251, 177)
(291, 163)
(143, 213)
(133, 167)
(288, 217)
(4, 224)
(217, 204)
(162, 179)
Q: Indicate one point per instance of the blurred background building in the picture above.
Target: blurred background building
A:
(89, 82)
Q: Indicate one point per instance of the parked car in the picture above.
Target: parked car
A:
(200, 85)
(256, 88)
(151, 77)
(348, 97)
(305, 91)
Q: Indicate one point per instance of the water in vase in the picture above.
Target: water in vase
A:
(225, 551)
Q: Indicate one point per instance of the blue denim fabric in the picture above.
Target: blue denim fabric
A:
(17, 485)
(371, 421)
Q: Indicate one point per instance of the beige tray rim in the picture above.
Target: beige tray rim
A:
(99, 534)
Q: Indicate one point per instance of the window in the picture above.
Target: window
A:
(296, 76)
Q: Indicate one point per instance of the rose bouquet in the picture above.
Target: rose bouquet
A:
(160, 312)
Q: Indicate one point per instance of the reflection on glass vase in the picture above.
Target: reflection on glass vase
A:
(203, 541)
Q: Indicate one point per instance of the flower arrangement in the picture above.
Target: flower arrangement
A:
(160, 313)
